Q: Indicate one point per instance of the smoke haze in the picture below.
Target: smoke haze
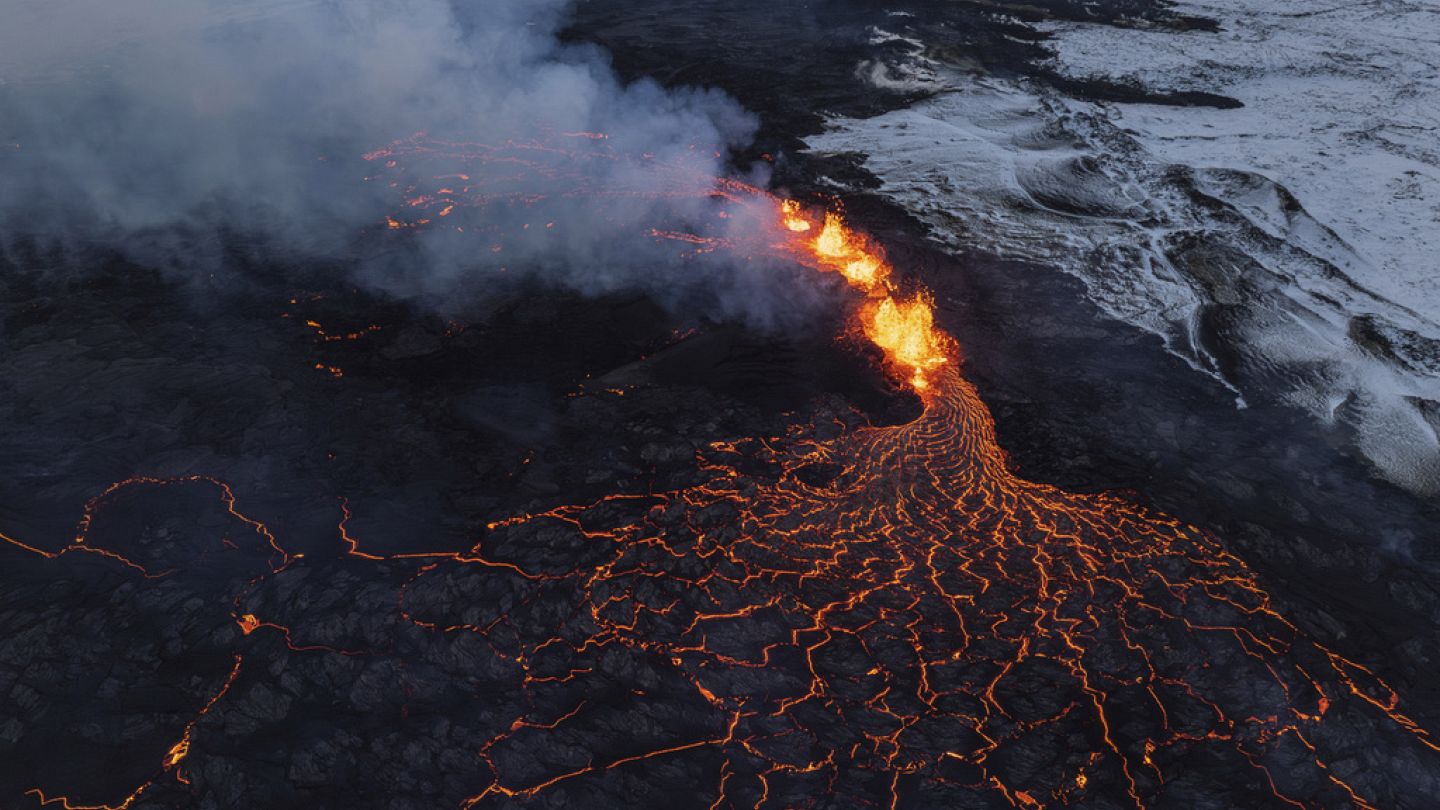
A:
(149, 128)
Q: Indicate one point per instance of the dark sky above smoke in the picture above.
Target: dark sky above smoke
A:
(143, 124)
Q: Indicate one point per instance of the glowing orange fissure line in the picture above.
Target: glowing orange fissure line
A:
(170, 764)
(902, 327)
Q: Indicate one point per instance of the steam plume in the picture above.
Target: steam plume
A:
(148, 127)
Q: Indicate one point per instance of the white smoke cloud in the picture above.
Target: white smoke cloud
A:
(151, 125)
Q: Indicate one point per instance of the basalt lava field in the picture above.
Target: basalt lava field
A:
(622, 405)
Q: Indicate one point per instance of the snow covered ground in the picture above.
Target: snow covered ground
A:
(1288, 248)
(1342, 108)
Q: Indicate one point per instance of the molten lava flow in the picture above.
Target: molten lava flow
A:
(925, 545)
(851, 616)
(901, 325)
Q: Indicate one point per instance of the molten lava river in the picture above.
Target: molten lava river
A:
(844, 616)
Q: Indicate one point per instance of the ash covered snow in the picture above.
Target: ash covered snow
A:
(1285, 247)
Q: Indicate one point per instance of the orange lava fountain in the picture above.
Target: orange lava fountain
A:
(903, 329)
